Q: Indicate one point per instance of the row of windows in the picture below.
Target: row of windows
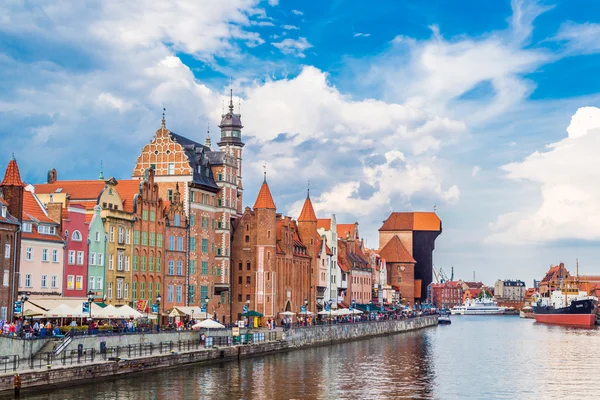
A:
(43, 282)
(146, 289)
(122, 290)
(29, 254)
(153, 263)
(72, 254)
(42, 229)
(124, 235)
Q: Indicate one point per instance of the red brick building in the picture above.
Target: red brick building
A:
(272, 267)
(447, 294)
(11, 211)
(351, 257)
(176, 274)
(400, 267)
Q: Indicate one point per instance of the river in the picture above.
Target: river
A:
(474, 357)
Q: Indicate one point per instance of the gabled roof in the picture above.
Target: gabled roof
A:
(345, 229)
(308, 212)
(12, 177)
(34, 211)
(127, 189)
(324, 223)
(199, 158)
(264, 198)
(412, 221)
(77, 190)
(394, 252)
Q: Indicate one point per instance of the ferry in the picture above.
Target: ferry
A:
(483, 306)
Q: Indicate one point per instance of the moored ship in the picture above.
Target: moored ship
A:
(483, 306)
(567, 305)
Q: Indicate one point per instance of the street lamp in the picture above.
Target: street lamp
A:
(90, 296)
(192, 321)
(306, 311)
(206, 305)
(24, 298)
(158, 299)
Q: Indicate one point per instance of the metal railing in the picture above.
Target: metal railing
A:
(8, 363)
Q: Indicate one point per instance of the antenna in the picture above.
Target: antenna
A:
(265, 172)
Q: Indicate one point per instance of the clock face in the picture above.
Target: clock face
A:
(402, 269)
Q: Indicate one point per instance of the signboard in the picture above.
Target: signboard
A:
(327, 307)
(241, 324)
(303, 309)
(141, 305)
(18, 307)
(245, 308)
(85, 307)
(203, 308)
(235, 331)
(154, 308)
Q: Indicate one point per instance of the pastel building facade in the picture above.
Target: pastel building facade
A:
(97, 240)
(75, 228)
(327, 228)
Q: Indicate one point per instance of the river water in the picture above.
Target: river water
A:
(486, 357)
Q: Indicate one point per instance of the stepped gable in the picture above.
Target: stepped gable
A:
(395, 252)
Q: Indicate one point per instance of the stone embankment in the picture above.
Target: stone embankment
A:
(59, 375)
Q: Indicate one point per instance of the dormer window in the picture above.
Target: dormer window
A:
(3, 211)
(26, 226)
(46, 230)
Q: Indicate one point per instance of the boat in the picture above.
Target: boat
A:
(526, 312)
(444, 320)
(482, 306)
(567, 305)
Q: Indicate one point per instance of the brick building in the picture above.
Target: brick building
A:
(11, 211)
(272, 267)
(416, 231)
(176, 278)
(400, 267)
(447, 294)
(351, 257)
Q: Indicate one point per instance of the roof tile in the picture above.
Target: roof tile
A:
(412, 221)
(308, 212)
(12, 177)
(394, 251)
(264, 198)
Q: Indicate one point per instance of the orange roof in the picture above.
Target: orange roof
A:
(77, 190)
(12, 177)
(412, 221)
(394, 251)
(308, 213)
(127, 189)
(343, 229)
(264, 198)
(32, 210)
(324, 224)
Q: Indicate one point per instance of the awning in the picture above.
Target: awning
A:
(341, 304)
(221, 287)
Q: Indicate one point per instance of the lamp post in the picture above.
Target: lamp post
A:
(206, 305)
(158, 299)
(24, 298)
(192, 320)
(90, 296)
(306, 311)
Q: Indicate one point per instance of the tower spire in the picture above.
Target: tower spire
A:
(231, 95)
(101, 176)
(163, 122)
(207, 143)
(308, 190)
(265, 172)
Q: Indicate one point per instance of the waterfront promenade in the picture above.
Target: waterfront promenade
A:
(145, 352)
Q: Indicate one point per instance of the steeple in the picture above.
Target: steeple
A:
(308, 212)
(231, 125)
(101, 176)
(207, 143)
(12, 177)
(264, 198)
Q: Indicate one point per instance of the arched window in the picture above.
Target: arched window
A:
(76, 236)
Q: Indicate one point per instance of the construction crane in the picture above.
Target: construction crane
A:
(443, 276)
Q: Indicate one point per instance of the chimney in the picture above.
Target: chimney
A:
(52, 176)
(55, 213)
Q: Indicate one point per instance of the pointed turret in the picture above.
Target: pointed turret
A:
(308, 212)
(264, 198)
(12, 188)
(12, 177)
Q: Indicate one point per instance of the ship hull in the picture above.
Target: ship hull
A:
(578, 313)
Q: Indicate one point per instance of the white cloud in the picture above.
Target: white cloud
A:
(580, 38)
(297, 12)
(359, 34)
(262, 23)
(566, 174)
(476, 169)
(293, 47)
(273, 2)
(290, 27)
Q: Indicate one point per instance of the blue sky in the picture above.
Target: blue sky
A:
(485, 109)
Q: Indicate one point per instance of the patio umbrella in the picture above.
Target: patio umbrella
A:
(128, 312)
(287, 313)
(252, 313)
(208, 324)
(355, 311)
(326, 312)
(342, 311)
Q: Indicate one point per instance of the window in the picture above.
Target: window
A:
(70, 282)
(76, 236)
(80, 258)
(112, 234)
(134, 291)
(170, 293)
(159, 240)
(152, 216)
(171, 169)
(121, 234)
(171, 270)
(45, 255)
(127, 236)
(220, 177)
(26, 227)
(144, 238)
(6, 278)
(192, 217)
(170, 194)
(79, 282)
(97, 236)
(179, 267)
(248, 280)
(203, 292)
(54, 256)
(248, 267)
(135, 263)
(205, 245)
(225, 298)
(191, 294)
(100, 259)
(92, 258)
(136, 237)
(99, 283)
(46, 230)
(177, 220)
(192, 267)
(240, 266)
(126, 291)
(3, 313)
(92, 283)
(145, 215)
(247, 239)
(54, 281)
(109, 290)
(119, 288)
(29, 254)
(7, 251)
(204, 268)
(180, 243)
(151, 264)
(157, 264)
(120, 261)
(143, 263)
(150, 295)
(126, 263)
(152, 239)
(110, 261)
(179, 297)
(44, 281)
(240, 280)
(192, 244)
(143, 290)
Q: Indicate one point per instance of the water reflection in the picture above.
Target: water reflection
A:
(475, 357)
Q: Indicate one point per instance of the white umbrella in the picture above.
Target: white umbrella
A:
(128, 312)
(306, 313)
(355, 311)
(109, 311)
(208, 324)
(287, 313)
(61, 311)
(342, 311)
(332, 312)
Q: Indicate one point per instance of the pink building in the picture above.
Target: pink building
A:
(76, 253)
(42, 253)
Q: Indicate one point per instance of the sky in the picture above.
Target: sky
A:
(485, 111)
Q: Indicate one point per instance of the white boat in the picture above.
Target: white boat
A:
(483, 306)
(526, 312)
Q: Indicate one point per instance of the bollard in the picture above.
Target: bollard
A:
(17, 384)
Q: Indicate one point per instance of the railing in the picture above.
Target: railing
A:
(9, 363)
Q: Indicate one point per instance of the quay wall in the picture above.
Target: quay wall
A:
(293, 339)
(23, 348)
